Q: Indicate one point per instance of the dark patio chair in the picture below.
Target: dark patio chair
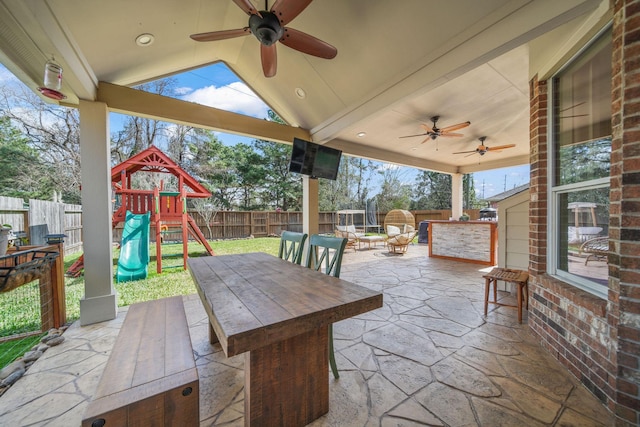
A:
(325, 255)
(292, 246)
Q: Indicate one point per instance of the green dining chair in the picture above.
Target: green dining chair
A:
(292, 246)
(325, 255)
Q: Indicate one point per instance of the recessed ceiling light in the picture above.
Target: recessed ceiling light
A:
(361, 134)
(145, 39)
(414, 148)
(300, 93)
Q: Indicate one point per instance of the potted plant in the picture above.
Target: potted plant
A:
(464, 217)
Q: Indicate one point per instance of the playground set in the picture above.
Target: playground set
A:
(160, 210)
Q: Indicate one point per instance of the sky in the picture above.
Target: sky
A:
(217, 86)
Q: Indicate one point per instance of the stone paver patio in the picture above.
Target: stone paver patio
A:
(427, 358)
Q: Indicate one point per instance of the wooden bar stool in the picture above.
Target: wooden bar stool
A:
(518, 277)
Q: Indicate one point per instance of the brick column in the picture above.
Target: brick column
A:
(624, 230)
(538, 183)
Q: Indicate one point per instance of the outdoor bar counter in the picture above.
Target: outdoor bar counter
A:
(468, 241)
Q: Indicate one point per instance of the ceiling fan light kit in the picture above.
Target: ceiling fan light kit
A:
(266, 27)
(269, 27)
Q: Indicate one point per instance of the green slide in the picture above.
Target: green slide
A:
(133, 262)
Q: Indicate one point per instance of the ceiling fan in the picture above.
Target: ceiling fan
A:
(269, 27)
(432, 132)
(482, 149)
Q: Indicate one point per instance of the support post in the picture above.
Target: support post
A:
(310, 205)
(309, 208)
(456, 195)
(99, 301)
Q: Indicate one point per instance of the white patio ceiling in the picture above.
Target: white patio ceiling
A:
(398, 64)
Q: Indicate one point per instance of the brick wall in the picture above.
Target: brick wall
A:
(624, 263)
(597, 340)
(571, 324)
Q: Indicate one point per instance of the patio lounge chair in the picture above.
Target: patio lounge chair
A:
(597, 248)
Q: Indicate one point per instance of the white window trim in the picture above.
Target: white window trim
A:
(553, 233)
(554, 191)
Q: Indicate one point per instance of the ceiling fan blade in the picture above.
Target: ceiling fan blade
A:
(455, 127)
(411, 136)
(500, 147)
(465, 152)
(427, 139)
(220, 35)
(450, 134)
(269, 58)
(287, 10)
(308, 44)
(247, 7)
(427, 128)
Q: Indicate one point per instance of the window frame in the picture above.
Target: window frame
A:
(556, 191)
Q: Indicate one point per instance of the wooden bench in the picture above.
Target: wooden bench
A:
(150, 377)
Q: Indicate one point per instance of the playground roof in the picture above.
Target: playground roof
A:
(154, 160)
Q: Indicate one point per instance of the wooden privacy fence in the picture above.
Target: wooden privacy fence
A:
(242, 224)
(37, 218)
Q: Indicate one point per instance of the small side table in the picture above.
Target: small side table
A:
(518, 277)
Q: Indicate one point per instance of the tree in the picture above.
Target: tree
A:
(180, 139)
(351, 188)
(470, 199)
(206, 210)
(21, 171)
(251, 175)
(213, 163)
(395, 193)
(281, 189)
(140, 133)
(434, 191)
(54, 132)
(584, 161)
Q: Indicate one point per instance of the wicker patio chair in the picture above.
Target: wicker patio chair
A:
(352, 238)
(597, 248)
(400, 243)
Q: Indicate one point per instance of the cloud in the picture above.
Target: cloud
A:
(183, 90)
(235, 97)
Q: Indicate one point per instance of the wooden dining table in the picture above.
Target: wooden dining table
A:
(278, 314)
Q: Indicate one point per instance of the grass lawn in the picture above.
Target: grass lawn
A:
(174, 280)
(20, 315)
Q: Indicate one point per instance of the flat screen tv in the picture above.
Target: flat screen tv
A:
(314, 160)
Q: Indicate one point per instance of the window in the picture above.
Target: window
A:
(580, 156)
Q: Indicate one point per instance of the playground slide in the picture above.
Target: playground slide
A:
(134, 251)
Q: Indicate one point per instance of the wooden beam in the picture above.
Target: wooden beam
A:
(125, 100)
